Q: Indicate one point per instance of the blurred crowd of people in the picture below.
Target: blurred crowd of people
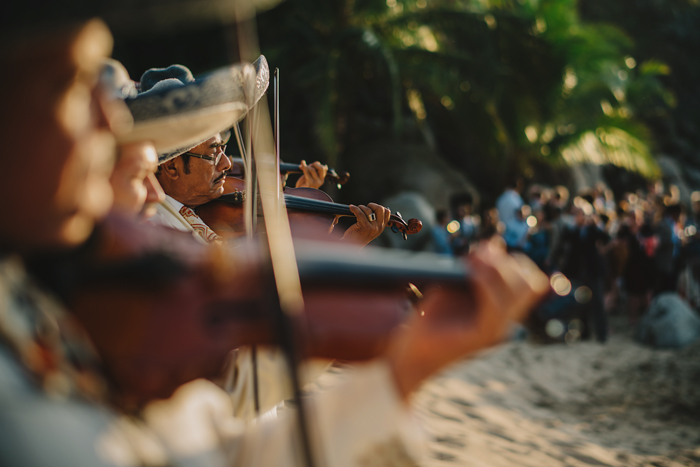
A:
(623, 250)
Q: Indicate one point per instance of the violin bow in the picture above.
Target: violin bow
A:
(276, 116)
(290, 304)
(249, 206)
(249, 214)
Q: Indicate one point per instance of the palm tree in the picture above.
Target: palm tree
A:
(495, 84)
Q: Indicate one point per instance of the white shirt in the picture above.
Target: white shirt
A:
(168, 214)
(274, 384)
(359, 422)
(507, 204)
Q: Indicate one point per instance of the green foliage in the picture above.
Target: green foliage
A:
(499, 83)
(665, 93)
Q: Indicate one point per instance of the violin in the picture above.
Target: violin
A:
(305, 206)
(238, 170)
(171, 309)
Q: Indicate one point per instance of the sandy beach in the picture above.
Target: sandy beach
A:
(587, 404)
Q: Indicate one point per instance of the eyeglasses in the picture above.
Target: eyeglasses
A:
(220, 150)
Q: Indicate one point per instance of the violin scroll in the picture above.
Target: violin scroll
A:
(399, 225)
(339, 178)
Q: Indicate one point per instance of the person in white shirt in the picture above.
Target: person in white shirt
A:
(510, 200)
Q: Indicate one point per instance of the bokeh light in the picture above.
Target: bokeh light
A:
(583, 294)
(554, 328)
(453, 227)
(531, 133)
(572, 336)
(560, 284)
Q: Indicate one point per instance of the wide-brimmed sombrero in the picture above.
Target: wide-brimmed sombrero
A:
(177, 112)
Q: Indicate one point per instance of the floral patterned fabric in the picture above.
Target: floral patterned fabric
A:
(202, 229)
(50, 343)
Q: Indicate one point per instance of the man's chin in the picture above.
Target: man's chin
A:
(218, 192)
(75, 231)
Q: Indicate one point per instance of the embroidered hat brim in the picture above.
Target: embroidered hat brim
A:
(177, 118)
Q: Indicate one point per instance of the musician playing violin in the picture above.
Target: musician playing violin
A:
(189, 180)
(53, 390)
(197, 176)
(134, 185)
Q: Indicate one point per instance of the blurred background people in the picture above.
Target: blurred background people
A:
(442, 239)
(579, 258)
(462, 208)
(510, 201)
(668, 250)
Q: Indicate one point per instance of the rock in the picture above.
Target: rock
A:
(585, 176)
(382, 169)
(673, 174)
(668, 323)
(411, 205)
(693, 177)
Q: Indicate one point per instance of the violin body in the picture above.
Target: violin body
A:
(309, 210)
(172, 309)
(225, 215)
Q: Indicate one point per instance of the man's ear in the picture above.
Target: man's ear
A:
(171, 169)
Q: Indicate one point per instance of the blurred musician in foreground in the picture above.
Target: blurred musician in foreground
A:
(62, 404)
(136, 189)
(134, 185)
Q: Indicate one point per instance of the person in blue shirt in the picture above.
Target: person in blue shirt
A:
(442, 239)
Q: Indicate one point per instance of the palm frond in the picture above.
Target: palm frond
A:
(614, 146)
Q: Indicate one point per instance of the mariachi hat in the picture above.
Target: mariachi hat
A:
(155, 75)
(177, 112)
(116, 81)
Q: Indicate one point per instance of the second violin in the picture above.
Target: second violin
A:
(338, 177)
(306, 206)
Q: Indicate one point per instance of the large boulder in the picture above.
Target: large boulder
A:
(675, 174)
(382, 169)
(669, 323)
(410, 204)
(585, 176)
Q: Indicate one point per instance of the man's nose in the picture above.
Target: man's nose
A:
(224, 163)
(154, 192)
